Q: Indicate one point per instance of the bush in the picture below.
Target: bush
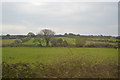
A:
(25, 39)
(60, 42)
(54, 42)
(80, 42)
(17, 41)
(97, 44)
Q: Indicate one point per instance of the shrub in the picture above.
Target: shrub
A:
(17, 41)
(60, 42)
(54, 42)
(25, 39)
(97, 44)
(80, 42)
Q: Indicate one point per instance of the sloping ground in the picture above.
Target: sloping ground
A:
(29, 42)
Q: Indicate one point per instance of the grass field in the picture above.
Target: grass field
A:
(59, 62)
(33, 54)
(26, 54)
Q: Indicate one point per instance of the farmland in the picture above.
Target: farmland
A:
(7, 41)
(63, 58)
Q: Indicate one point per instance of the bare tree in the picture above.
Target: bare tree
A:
(47, 34)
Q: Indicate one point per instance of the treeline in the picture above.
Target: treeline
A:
(8, 36)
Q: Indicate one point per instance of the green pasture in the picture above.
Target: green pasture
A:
(51, 55)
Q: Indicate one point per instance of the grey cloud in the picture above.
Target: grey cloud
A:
(83, 18)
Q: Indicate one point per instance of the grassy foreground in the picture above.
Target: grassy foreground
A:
(36, 62)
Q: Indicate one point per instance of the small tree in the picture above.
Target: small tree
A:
(47, 35)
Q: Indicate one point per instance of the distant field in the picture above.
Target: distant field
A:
(46, 55)
(7, 41)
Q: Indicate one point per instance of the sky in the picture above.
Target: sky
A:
(85, 18)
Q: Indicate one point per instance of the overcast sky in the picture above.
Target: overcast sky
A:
(62, 17)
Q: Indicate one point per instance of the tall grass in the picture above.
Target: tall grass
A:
(67, 68)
